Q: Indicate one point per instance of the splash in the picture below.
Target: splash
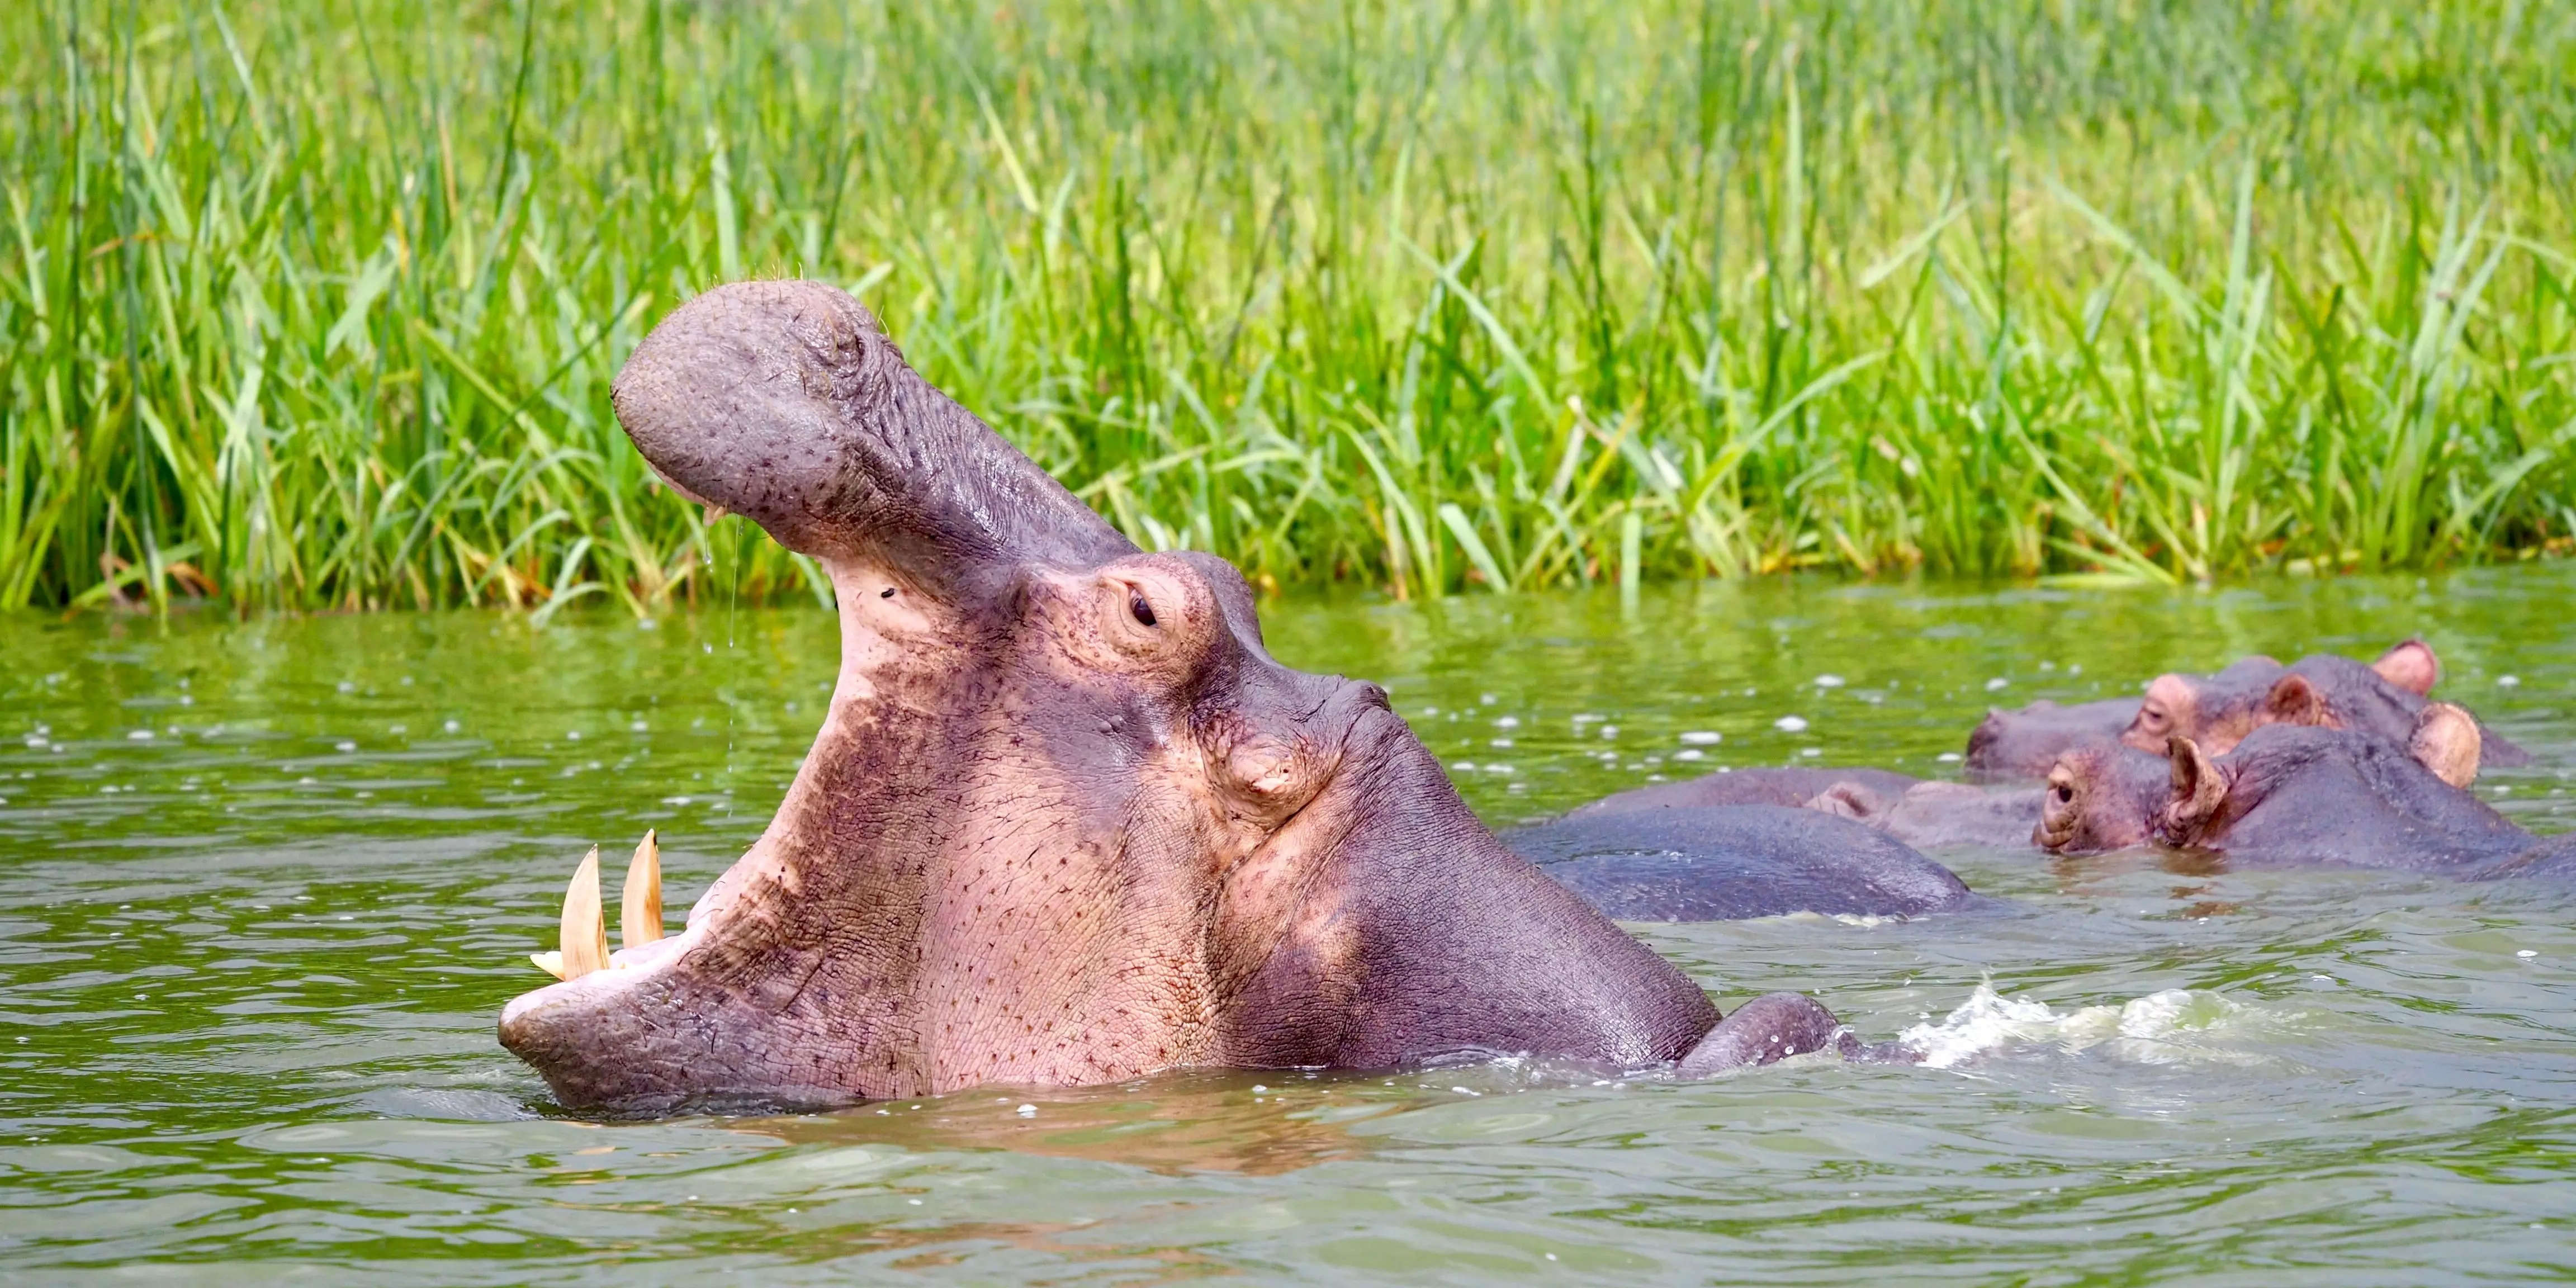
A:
(2175, 1026)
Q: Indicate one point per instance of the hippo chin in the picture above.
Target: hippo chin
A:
(1066, 822)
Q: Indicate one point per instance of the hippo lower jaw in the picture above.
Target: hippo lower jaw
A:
(621, 1002)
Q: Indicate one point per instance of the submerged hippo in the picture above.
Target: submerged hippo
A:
(2323, 690)
(1732, 861)
(1066, 821)
(2302, 795)
(1917, 813)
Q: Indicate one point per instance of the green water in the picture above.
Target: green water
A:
(264, 888)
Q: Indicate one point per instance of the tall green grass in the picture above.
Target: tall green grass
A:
(315, 302)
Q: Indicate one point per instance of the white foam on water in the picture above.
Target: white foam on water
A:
(2174, 1026)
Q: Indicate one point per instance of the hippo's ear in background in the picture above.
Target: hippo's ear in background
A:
(2198, 790)
(2294, 701)
(2446, 740)
(785, 402)
(2410, 665)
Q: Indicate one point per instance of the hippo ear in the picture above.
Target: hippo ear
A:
(2446, 740)
(2198, 790)
(2293, 701)
(784, 402)
(2410, 665)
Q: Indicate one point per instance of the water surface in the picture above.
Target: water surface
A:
(265, 886)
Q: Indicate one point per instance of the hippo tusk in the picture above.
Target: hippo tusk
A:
(714, 512)
(583, 936)
(639, 915)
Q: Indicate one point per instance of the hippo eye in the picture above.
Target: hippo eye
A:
(1142, 611)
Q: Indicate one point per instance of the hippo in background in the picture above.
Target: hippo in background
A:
(1066, 821)
(2324, 690)
(1728, 862)
(2219, 707)
(2305, 795)
(1792, 785)
(1920, 814)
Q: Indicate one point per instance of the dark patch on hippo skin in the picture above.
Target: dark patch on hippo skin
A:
(1730, 862)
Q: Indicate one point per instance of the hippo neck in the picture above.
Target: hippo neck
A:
(984, 925)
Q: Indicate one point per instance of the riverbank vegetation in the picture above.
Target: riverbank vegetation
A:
(314, 303)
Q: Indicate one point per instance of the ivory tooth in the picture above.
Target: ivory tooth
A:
(715, 512)
(550, 963)
(585, 939)
(639, 916)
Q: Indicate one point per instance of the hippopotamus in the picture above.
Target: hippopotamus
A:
(2303, 795)
(2214, 709)
(2022, 744)
(1066, 821)
(1790, 785)
(1732, 861)
(2324, 689)
(1918, 813)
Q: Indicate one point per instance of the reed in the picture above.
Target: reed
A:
(314, 303)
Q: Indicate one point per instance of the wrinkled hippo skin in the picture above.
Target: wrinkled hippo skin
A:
(1730, 862)
(1066, 821)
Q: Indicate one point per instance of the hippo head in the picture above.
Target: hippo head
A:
(2100, 797)
(1065, 821)
(2216, 711)
(2023, 744)
(2312, 794)
(2286, 792)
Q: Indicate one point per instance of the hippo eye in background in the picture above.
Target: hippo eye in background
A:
(1139, 609)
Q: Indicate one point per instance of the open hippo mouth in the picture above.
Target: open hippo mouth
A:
(1066, 821)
